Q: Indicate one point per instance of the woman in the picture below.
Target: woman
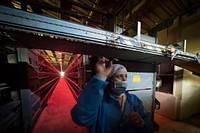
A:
(104, 106)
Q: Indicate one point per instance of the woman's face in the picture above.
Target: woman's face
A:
(120, 76)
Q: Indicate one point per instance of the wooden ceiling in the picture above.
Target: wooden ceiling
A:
(154, 15)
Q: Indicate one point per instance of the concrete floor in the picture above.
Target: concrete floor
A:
(189, 125)
(56, 118)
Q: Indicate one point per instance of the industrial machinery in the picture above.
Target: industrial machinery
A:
(26, 31)
(79, 39)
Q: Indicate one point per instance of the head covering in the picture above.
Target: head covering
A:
(115, 69)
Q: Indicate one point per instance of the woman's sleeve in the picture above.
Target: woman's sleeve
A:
(85, 112)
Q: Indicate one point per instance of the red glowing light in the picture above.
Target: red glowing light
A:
(62, 74)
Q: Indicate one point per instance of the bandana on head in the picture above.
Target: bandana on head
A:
(115, 69)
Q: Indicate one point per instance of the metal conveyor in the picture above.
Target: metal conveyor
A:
(24, 29)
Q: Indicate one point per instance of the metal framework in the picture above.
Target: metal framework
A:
(84, 37)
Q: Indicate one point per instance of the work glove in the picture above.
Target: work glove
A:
(135, 120)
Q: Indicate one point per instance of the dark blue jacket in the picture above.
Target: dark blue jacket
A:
(101, 112)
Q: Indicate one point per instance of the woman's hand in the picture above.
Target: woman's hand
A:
(103, 68)
(135, 119)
